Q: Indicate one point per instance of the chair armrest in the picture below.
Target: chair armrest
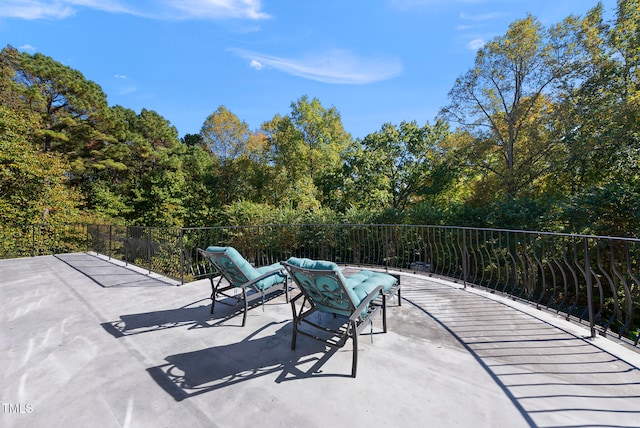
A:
(365, 302)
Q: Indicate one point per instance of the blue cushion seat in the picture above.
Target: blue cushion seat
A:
(324, 288)
(245, 272)
(358, 285)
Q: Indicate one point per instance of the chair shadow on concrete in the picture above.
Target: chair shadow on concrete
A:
(193, 373)
(191, 316)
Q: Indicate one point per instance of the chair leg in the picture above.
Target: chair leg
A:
(397, 276)
(384, 313)
(214, 289)
(294, 334)
(246, 308)
(354, 337)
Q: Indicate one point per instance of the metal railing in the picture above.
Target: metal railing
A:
(589, 279)
(41, 239)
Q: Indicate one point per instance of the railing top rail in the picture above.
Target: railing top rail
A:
(488, 229)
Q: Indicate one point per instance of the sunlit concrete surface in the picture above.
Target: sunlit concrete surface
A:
(89, 342)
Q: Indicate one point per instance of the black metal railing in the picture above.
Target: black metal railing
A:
(589, 279)
(41, 239)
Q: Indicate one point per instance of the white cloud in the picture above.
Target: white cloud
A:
(336, 66)
(114, 6)
(154, 9)
(27, 48)
(476, 44)
(256, 64)
(121, 76)
(35, 9)
(243, 9)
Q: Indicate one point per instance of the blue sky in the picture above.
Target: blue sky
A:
(376, 61)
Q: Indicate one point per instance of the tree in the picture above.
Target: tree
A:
(9, 90)
(504, 102)
(66, 101)
(225, 134)
(33, 186)
(307, 148)
(158, 184)
(600, 124)
(201, 200)
(192, 140)
(397, 166)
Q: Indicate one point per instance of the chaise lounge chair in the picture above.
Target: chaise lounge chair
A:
(253, 282)
(356, 299)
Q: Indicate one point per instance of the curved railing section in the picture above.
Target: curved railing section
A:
(589, 279)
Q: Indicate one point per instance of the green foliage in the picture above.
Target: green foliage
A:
(70, 107)
(225, 135)
(33, 185)
(200, 199)
(504, 102)
(308, 147)
(397, 166)
(607, 210)
(548, 139)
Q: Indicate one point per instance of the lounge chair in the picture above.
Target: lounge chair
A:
(356, 299)
(253, 283)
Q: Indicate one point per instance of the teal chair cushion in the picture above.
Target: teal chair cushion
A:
(370, 277)
(239, 271)
(325, 291)
(358, 285)
(313, 264)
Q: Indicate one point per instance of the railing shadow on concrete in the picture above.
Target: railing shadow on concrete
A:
(543, 369)
(592, 280)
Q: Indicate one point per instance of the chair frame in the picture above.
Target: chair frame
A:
(355, 323)
(396, 288)
(246, 298)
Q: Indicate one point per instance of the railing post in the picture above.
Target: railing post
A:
(110, 240)
(182, 258)
(149, 250)
(587, 274)
(126, 245)
(465, 264)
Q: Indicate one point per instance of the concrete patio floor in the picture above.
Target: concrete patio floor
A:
(89, 342)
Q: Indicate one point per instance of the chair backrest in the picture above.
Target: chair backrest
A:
(235, 268)
(323, 284)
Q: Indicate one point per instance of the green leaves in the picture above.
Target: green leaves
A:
(33, 185)
(548, 137)
(67, 103)
(396, 165)
(225, 135)
(308, 147)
